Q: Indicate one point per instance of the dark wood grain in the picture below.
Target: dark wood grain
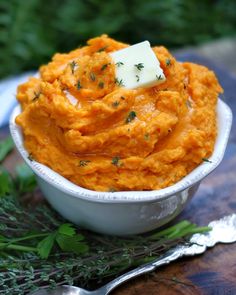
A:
(214, 272)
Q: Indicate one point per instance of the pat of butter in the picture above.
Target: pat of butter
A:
(137, 66)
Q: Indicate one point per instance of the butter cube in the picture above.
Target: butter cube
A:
(137, 66)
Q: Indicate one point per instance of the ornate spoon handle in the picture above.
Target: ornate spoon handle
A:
(171, 255)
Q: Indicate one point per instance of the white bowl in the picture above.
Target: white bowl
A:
(125, 212)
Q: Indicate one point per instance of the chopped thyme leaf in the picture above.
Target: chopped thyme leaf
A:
(101, 85)
(188, 104)
(104, 67)
(115, 104)
(83, 163)
(139, 66)
(146, 136)
(73, 64)
(206, 160)
(36, 95)
(131, 117)
(119, 63)
(119, 82)
(122, 97)
(112, 190)
(102, 48)
(159, 77)
(137, 78)
(30, 157)
(92, 76)
(168, 62)
(115, 161)
(79, 85)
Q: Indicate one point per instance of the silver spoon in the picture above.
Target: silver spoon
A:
(223, 231)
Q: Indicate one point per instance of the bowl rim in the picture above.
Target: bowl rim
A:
(224, 119)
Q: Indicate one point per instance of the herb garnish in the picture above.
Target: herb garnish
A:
(146, 136)
(36, 95)
(115, 104)
(122, 97)
(119, 63)
(115, 161)
(168, 62)
(73, 64)
(83, 163)
(139, 66)
(112, 190)
(6, 146)
(159, 77)
(188, 104)
(131, 117)
(137, 78)
(30, 157)
(119, 82)
(206, 160)
(101, 85)
(92, 76)
(104, 66)
(79, 86)
(102, 48)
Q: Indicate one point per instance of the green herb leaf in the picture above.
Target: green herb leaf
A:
(36, 95)
(6, 146)
(206, 160)
(45, 246)
(92, 76)
(104, 67)
(79, 85)
(67, 229)
(137, 78)
(146, 136)
(102, 48)
(119, 63)
(115, 161)
(73, 65)
(30, 157)
(83, 163)
(119, 82)
(25, 179)
(6, 182)
(131, 117)
(72, 244)
(159, 77)
(101, 85)
(115, 104)
(168, 62)
(139, 66)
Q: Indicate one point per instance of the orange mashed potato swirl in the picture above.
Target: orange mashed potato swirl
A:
(81, 123)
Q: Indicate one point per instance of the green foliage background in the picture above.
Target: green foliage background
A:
(32, 30)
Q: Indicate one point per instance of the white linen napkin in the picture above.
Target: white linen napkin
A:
(8, 100)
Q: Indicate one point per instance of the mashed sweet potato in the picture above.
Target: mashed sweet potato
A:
(80, 122)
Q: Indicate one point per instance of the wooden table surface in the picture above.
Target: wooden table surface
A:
(214, 272)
